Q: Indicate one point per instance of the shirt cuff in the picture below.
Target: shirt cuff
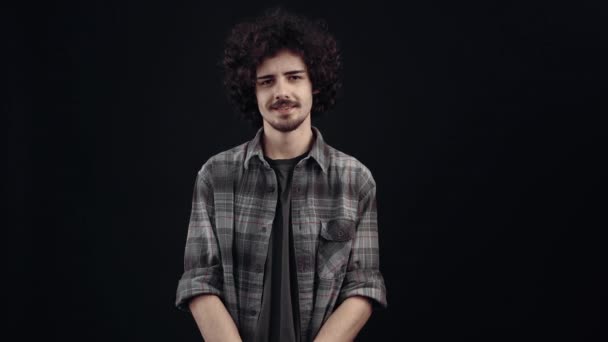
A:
(196, 282)
(366, 283)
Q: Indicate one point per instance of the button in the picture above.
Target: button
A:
(298, 189)
(340, 233)
(271, 189)
(252, 312)
(264, 229)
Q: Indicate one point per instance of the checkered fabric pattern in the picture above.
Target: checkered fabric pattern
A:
(335, 233)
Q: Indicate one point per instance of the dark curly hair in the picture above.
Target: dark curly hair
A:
(250, 43)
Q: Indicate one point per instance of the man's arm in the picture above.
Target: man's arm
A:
(345, 323)
(201, 285)
(363, 287)
(363, 277)
(213, 320)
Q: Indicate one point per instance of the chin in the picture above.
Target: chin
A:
(286, 125)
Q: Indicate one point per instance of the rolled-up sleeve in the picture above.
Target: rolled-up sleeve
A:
(363, 275)
(202, 263)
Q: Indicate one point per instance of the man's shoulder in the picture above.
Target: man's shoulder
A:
(225, 160)
(235, 154)
(342, 162)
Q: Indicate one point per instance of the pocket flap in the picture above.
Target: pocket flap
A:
(341, 229)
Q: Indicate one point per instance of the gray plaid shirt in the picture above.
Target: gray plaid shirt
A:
(335, 233)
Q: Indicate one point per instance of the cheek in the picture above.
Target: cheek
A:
(310, 98)
(259, 98)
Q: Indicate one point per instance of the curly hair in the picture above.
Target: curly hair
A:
(250, 43)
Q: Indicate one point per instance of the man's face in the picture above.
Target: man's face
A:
(284, 91)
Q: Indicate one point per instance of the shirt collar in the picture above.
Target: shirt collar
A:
(319, 150)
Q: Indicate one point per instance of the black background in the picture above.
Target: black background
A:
(480, 123)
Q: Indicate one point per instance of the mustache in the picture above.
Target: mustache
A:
(284, 103)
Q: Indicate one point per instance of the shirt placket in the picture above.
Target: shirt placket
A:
(270, 195)
(301, 253)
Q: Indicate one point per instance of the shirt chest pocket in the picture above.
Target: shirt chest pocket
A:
(335, 242)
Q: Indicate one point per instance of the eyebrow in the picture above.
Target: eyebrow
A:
(285, 73)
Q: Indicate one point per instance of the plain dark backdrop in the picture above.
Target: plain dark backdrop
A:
(480, 123)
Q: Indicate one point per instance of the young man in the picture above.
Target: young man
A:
(282, 242)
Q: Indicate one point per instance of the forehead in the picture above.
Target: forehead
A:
(282, 61)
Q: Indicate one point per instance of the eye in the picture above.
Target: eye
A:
(265, 82)
(295, 77)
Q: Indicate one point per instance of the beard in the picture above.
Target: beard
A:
(288, 124)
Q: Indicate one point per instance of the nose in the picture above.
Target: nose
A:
(281, 90)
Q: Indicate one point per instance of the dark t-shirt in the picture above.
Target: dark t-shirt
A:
(279, 318)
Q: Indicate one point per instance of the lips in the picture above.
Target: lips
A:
(283, 105)
(284, 109)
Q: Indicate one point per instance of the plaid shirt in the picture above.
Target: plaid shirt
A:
(335, 235)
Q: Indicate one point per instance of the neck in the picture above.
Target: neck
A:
(287, 145)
